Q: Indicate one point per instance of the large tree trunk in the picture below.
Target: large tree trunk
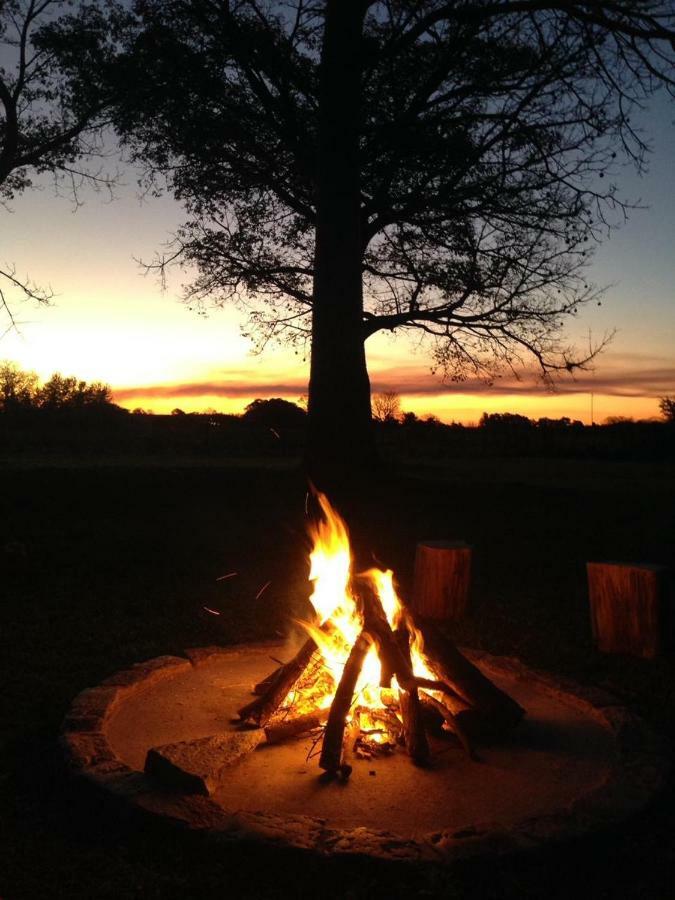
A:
(340, 434)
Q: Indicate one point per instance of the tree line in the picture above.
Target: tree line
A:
(21, 391)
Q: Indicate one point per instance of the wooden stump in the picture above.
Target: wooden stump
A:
(629, 608)
(442, 579)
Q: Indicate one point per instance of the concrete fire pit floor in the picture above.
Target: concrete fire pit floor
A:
(578, 761)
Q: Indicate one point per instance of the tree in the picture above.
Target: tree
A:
(667, 407)
(437, 167)
(53, 101)
(61, 392)
(18, 388)
(505, 421)
(387, 406)
(274, 413)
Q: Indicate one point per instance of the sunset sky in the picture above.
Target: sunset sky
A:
(108, 322)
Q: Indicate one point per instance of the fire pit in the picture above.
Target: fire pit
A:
(374, 734)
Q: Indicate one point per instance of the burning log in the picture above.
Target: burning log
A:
(294, 726)
(434, 719)
(490, 710)
(331, 750)
(261, 710)
(263, 686)
(352, 732)
(411, 710)
(413, 728)
(394, 659)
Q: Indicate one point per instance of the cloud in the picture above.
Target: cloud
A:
(234, 389)
(619, 377)
(620, 382)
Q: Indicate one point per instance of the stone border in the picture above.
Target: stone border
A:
(639, 772)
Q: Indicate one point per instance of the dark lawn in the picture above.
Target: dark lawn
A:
(106, 566)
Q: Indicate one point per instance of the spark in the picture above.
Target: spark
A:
(214, 612)
(229, 575)
(262, 590)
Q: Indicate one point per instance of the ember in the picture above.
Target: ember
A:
(371, 670)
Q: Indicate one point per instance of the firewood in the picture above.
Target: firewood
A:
(433, 718)
(629, 608)
(261, 710)
(411, 711)
(393, 658)
(263, 686)
(331, 750)
(413, 727)
(492, 710)
(293, 726)
(441, 580)
(351, 736)
(455, 724)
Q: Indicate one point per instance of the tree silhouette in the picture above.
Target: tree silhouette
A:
(53, 101)
(18, 388)
(274, 413)
(436, 167)
(67, 392)
(387, 406)
(667, 407)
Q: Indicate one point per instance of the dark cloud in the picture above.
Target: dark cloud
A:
(628, 380)
(234, 389)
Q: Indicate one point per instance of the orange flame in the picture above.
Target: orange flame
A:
(338, 621)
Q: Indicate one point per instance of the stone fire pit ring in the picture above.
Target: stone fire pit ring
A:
(579, 763)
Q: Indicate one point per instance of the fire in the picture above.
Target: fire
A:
(343, 678)
(339, 621)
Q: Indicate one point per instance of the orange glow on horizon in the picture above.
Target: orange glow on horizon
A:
(465, 409)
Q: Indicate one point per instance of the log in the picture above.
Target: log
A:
(331, 750)
(413, 727)
(629, 607)
(263, 686)
(454, 721)
(261, 710)
(433, 717)
(411, 710)
(441, 580)
(351, 736)
(491, 711)
(393, 654)
(293, 726)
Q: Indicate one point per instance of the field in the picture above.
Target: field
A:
(106, 565)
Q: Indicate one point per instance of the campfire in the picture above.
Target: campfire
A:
(372, 676)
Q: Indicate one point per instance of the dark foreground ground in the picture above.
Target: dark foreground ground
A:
(106, 566)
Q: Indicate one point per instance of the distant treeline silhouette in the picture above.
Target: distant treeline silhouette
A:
(21, 393)
(68, 415)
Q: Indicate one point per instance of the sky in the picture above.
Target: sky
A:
(110, 322)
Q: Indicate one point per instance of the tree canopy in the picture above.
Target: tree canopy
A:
(20, 390)
(489, 134)
(55, 58)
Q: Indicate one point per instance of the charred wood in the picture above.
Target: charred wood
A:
(261, 710)
(331, 750)
(293, 726)
(490, 711)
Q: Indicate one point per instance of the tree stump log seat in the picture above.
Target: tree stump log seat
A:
(442, 579)
(630, 608)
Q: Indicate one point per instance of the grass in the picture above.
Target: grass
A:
(104, 566)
